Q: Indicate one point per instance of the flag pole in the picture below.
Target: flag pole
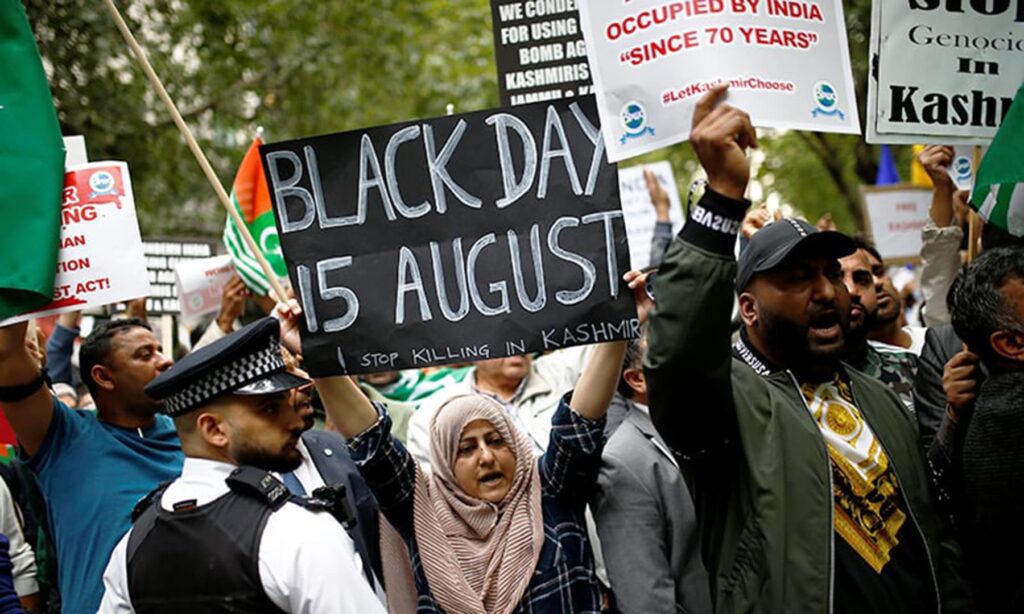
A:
(974, 225)
(197, 151)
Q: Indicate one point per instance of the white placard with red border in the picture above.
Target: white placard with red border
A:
(201, 285)
(100, 260)
(787, 63)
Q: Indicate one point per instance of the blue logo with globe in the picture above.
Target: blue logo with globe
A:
(962, 169)
(102, 184)
(634, 121)
(826, 99)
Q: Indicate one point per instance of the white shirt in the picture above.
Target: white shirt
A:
(22, 557)
(307, 562)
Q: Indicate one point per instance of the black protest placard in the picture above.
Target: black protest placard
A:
(454, 239)
(539, 50)
(162, 256)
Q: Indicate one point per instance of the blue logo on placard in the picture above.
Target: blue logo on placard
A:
(634, 121)
(962, 168)
(827, 100)
(102, 184)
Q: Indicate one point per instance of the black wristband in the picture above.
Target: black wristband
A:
(715, 222)
(13, 394)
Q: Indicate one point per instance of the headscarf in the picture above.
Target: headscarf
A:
(478, 556)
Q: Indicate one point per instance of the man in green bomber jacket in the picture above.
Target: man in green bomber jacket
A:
(812, 493)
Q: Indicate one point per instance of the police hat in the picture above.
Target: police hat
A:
(777, 241)
(246, 362)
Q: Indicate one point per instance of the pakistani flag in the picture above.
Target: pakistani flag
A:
(999, 189)
(31, 169)
(250, 196)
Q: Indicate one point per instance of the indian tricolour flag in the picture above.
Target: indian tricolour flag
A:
(999, 190)
(250, 196)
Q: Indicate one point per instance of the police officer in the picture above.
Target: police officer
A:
(227, 536)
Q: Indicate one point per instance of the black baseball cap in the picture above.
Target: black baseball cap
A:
(771, 245)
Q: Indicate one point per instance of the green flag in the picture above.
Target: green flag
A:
(999, 189)
(31, 169)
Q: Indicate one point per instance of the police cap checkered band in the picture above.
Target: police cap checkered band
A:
(245, 362)
(227, 378)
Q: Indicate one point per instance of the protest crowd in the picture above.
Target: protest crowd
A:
(762, 419)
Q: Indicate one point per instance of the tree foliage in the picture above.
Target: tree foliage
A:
(303, 68)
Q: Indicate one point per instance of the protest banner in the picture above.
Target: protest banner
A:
(894, 215)
(539, 50)
(200, 285)
(162, 259)
(100, 260)
(786, 61)
(946, 71)
(639, 212)
(453, 239)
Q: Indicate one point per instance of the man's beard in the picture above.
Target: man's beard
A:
(281, 461)
(790, 341)
(887, 315)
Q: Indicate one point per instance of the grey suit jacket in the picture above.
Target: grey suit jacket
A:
(647, 524)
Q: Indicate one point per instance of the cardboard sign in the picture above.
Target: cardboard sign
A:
(895, 216)
(100, 260)
(454, 239)
(947, 70)
(786, 61)
(539, 50)
(200, 285)
(639, 210)
(74, 151)
(162, 258)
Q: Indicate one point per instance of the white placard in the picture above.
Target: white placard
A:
(74, 151)
(100, 260)
(947, 70)
(787, 62)
(638, 210)
(962, 170)
(895, 216)
(201, 285)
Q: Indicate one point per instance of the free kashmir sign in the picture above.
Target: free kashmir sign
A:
(946, 71)
(454, 239)
(786, 61)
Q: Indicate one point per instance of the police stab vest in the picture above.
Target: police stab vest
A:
(204, 559)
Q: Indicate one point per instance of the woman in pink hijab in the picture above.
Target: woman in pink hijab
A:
(494, 528)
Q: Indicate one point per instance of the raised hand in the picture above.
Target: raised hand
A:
(720, 136)
(659, 197)
(637, 281)
(232, 303)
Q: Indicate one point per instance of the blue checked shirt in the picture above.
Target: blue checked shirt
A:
(564, 580)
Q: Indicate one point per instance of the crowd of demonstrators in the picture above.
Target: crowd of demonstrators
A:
(825, 456)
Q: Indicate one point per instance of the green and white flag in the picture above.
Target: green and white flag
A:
(31, 169)
(250, 196)
(999, 190)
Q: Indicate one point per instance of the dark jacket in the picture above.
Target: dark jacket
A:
(940, 344)
(331, 458)
(993, 464)
(760, 466)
